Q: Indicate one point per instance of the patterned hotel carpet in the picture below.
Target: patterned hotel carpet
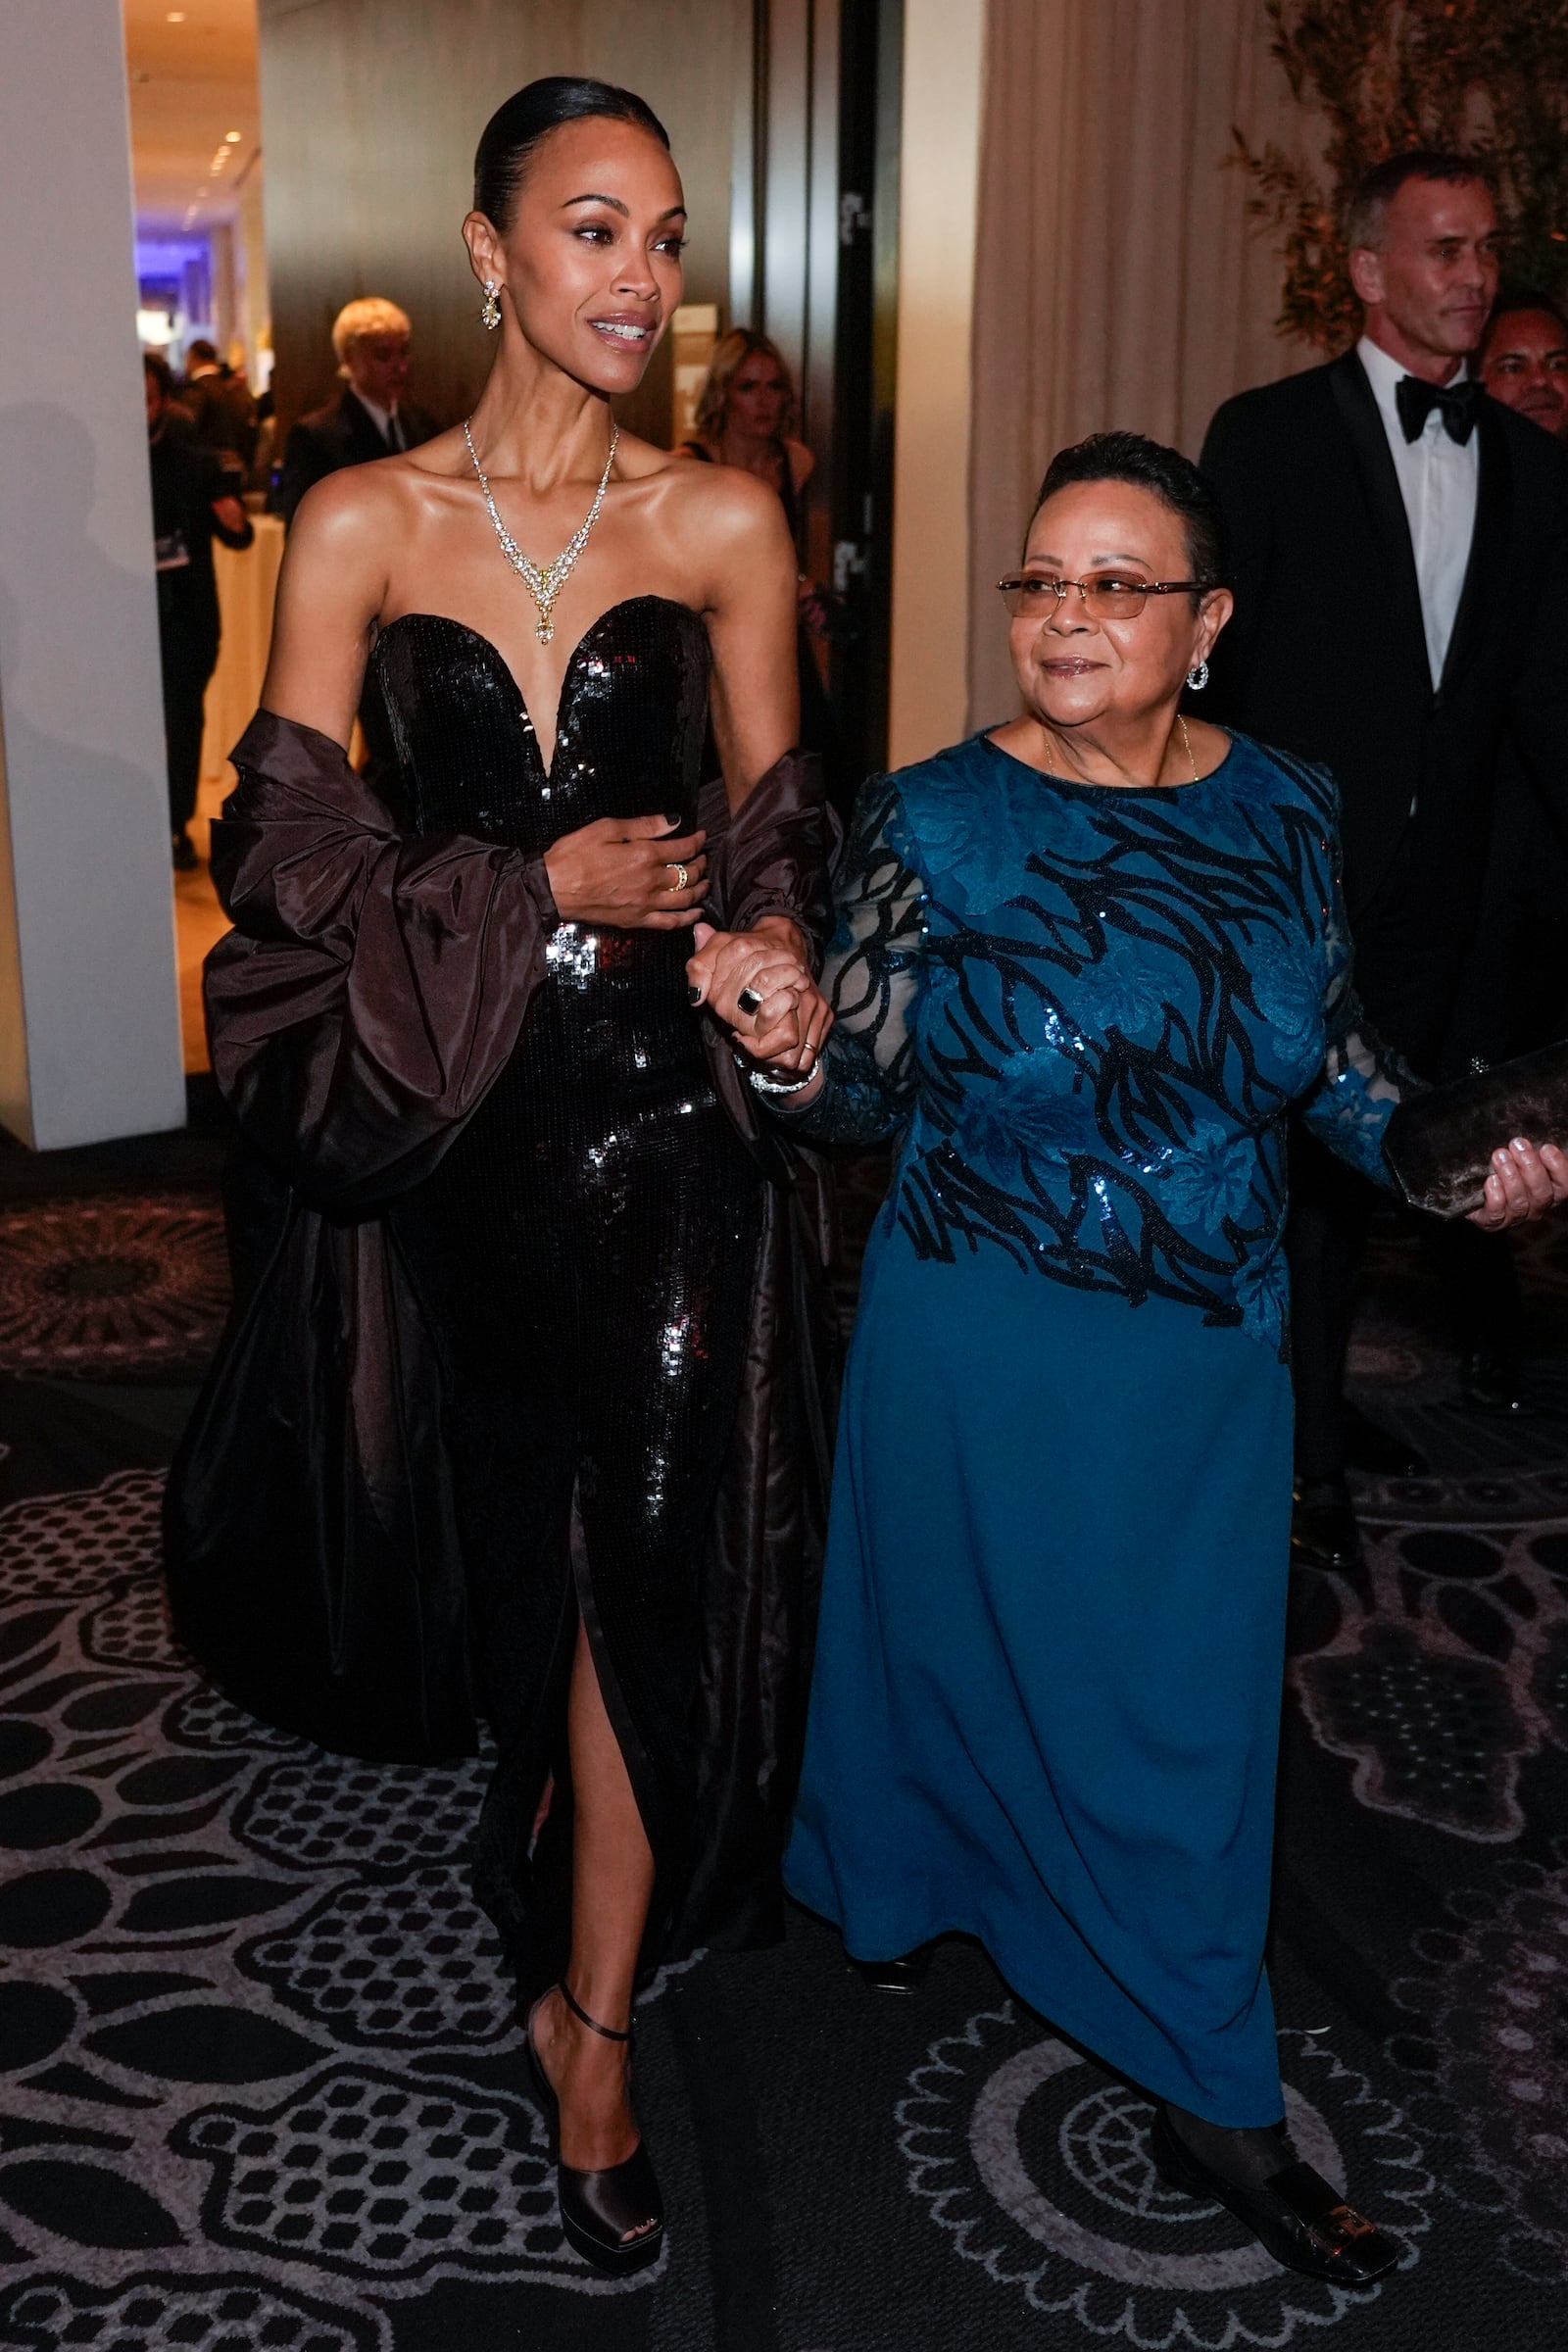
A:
(263, 2090)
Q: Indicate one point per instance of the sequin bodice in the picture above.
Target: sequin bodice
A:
(1090, 1010)
(628, 730)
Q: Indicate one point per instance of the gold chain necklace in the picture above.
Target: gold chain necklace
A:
(543, 585)
(1187, 745)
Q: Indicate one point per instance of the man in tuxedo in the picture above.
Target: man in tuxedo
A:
(370, 418)
(1514, 992)
(1402, 603)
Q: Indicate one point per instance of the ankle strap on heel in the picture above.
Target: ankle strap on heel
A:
(583, 2019)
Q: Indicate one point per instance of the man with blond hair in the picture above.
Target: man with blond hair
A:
(370, 417)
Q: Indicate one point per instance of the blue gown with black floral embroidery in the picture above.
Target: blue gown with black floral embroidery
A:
(1046, 1694)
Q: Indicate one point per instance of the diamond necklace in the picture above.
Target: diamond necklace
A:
(544, 586)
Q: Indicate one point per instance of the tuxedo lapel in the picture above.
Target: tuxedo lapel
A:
(1484, 574)
(1380, 488)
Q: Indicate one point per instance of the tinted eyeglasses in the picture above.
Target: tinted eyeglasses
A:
(1105, 595)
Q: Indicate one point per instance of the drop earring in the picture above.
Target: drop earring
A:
(490, 308)
(1198, 676)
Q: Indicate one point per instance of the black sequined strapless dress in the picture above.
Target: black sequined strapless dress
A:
(583, 1253)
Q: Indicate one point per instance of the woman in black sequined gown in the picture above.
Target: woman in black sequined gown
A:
(584, 1247)
(473, 1010)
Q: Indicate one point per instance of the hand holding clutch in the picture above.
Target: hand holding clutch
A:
(1450, 1151)
(1522, 1183)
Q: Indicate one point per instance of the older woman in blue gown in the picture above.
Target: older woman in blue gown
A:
(1086, 964)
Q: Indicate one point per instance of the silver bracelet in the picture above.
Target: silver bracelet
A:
(778, 1085)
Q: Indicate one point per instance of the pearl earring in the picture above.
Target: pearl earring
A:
(1198, 676)
(490, 308)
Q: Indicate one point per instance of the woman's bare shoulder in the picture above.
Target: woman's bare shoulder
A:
(361, 517)
(350, 508)
(719, 502)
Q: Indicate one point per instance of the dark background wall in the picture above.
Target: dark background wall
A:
(371, 113)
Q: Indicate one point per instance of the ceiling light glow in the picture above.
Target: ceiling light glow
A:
(233, 137)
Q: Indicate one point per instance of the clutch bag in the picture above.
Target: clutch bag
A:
(1439, 1146)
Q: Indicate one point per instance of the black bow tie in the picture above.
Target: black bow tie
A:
(1457, 404)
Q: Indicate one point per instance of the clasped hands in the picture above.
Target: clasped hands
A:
(759, 984)
(639, 874)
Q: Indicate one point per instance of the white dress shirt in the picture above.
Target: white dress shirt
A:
(383, 420)
(1439, 479)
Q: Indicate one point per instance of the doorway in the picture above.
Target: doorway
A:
(203, 308)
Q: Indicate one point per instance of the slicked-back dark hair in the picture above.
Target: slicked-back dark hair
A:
(1377, 188)
(1509, 304)
(1169, 477)
(529, 115)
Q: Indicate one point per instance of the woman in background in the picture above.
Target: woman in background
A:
(743, 415)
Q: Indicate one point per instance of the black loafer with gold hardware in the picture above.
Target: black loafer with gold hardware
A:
(1304, 2224)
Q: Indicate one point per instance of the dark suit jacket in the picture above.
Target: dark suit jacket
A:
(225, 416)
(185, 482)
(342, 434)
(1326, 656)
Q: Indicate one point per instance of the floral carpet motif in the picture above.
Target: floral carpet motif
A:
(112, 1288)
(264, 2087)
(1485, 2052)
(249, 2012)
(1441, 1667)
(1037, 2166)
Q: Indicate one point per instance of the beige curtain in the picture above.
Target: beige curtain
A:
(1120, 282)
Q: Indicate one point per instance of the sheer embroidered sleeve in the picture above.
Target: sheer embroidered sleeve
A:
(1363, 1080)
(873, 977)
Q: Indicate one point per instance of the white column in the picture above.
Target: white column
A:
(939, 172)
(89, 1004)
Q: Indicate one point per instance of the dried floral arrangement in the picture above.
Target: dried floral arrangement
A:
(1490, 76)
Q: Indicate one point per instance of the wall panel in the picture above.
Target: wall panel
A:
(371, 112)
(89, 1009)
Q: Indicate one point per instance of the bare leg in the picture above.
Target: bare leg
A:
(612, 1883)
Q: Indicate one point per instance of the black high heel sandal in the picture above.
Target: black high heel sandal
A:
(598, 2208)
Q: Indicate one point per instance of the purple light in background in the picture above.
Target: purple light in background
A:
(169, 257)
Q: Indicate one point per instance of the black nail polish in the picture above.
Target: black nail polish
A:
(693, 992)
(673, 822)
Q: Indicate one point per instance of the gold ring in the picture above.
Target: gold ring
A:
(685, 879)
